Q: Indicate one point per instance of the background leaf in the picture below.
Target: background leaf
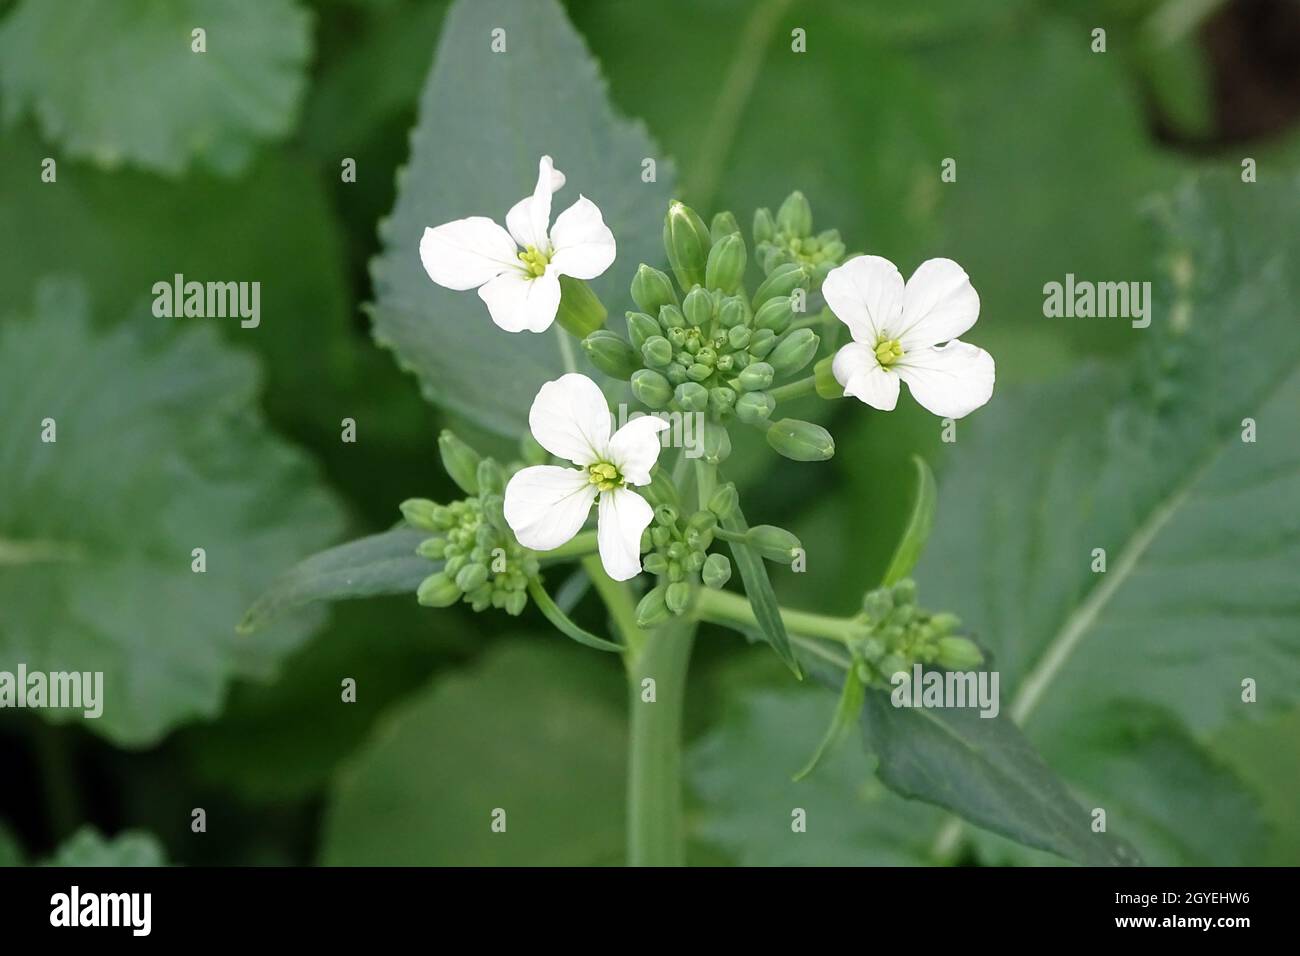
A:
(87, 847)
(172, 105)
(99, 525)
(485, 119)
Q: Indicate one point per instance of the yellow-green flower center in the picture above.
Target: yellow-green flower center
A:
(604, 476)
(888, 351)
(534, 260)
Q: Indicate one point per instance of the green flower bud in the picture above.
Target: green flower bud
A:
(471, 577)
(782, 280)
(774, 314)
(722, 401)
(726, 265)
(666, 515)
(611, 354)
(724, 500)
(651, 610)
(661, 536)
(657, 351)
(716, 441)
(872, 648)
(670, 317)
(801, 441)
(904, 592)
(723, 224)
(661, 490)
(494, 511)
(795, 215)
(580, 312)
(698, 372)
(828, 387)
(716, 572)
(676, 572)
(515, 603)
(686, 240)
(703, 521)
(892, 664)
(764, 226)
(491, 481)
(421, 513)
(738, 337)
(655, 563)
(725, 363)
(640, 327)
(756, 377)
(676, 374)
(692, 397)
(651, 389)
(794, 351)
(958, 653)
(698, 307)
(459, 461)
(705, 355)
(697, 540)
(877, 604)
(435, 549)
(753, 408)
(678, 597)
(944, 623)
(762, 342)
(652, 290)
(773, 543)
(678, 338)
(732, 312)
(438, 590)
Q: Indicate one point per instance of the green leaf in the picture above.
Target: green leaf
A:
(564, 624)
(758, 588)
(919, 523)
(739, 774)
(383, 563)
(129, 89)
(87, 847)
(159, 450)
(536, 730)
(847, 711)
(1147, 461)
(485, 119)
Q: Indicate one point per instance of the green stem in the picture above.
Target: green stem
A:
(723, 607)
(566, 349)
(805, 386)
(655, 832)
(55, 759)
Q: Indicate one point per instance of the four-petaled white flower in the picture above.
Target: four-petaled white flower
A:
(897, 330)
(517, 272)
(546, 505)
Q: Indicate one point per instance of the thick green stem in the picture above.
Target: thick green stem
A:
(656, 696)
(579, 546)
(805, 386)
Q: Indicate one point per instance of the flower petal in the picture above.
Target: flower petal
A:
(939, 304)
(546, 505)
(950, 381)
(517, 301)
(466, 253)
(530, 218)
(856, 368)
(623, 516)
(866, 294)
(584, 246)
(570, 419)
(634, 449)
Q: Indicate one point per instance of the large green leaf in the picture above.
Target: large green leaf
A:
(534, 729)
(87, 847)
(159, 450)
(1201, 529)
(119, 83)
(485, 119)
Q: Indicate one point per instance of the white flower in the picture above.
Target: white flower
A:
(521, 286)
(546, 505)
(897, 333)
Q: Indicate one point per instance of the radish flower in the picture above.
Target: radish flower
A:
(897, 329)
(546, 505)
(517, 269)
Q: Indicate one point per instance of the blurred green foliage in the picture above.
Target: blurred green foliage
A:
(234, 173)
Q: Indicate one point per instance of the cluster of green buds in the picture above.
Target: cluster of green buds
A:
(482, 564)
(788, 239)
(898, 634)
(715, 349)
